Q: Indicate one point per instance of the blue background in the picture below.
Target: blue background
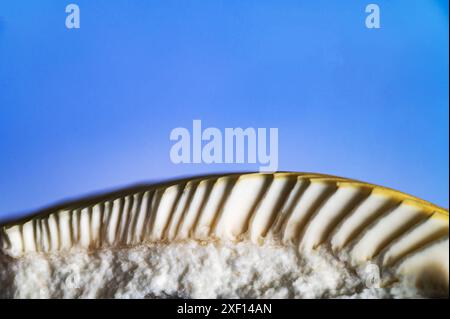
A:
(91, 109)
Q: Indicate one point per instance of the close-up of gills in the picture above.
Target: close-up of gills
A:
(357, 222)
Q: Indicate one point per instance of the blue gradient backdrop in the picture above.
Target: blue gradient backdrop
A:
(88, 110)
